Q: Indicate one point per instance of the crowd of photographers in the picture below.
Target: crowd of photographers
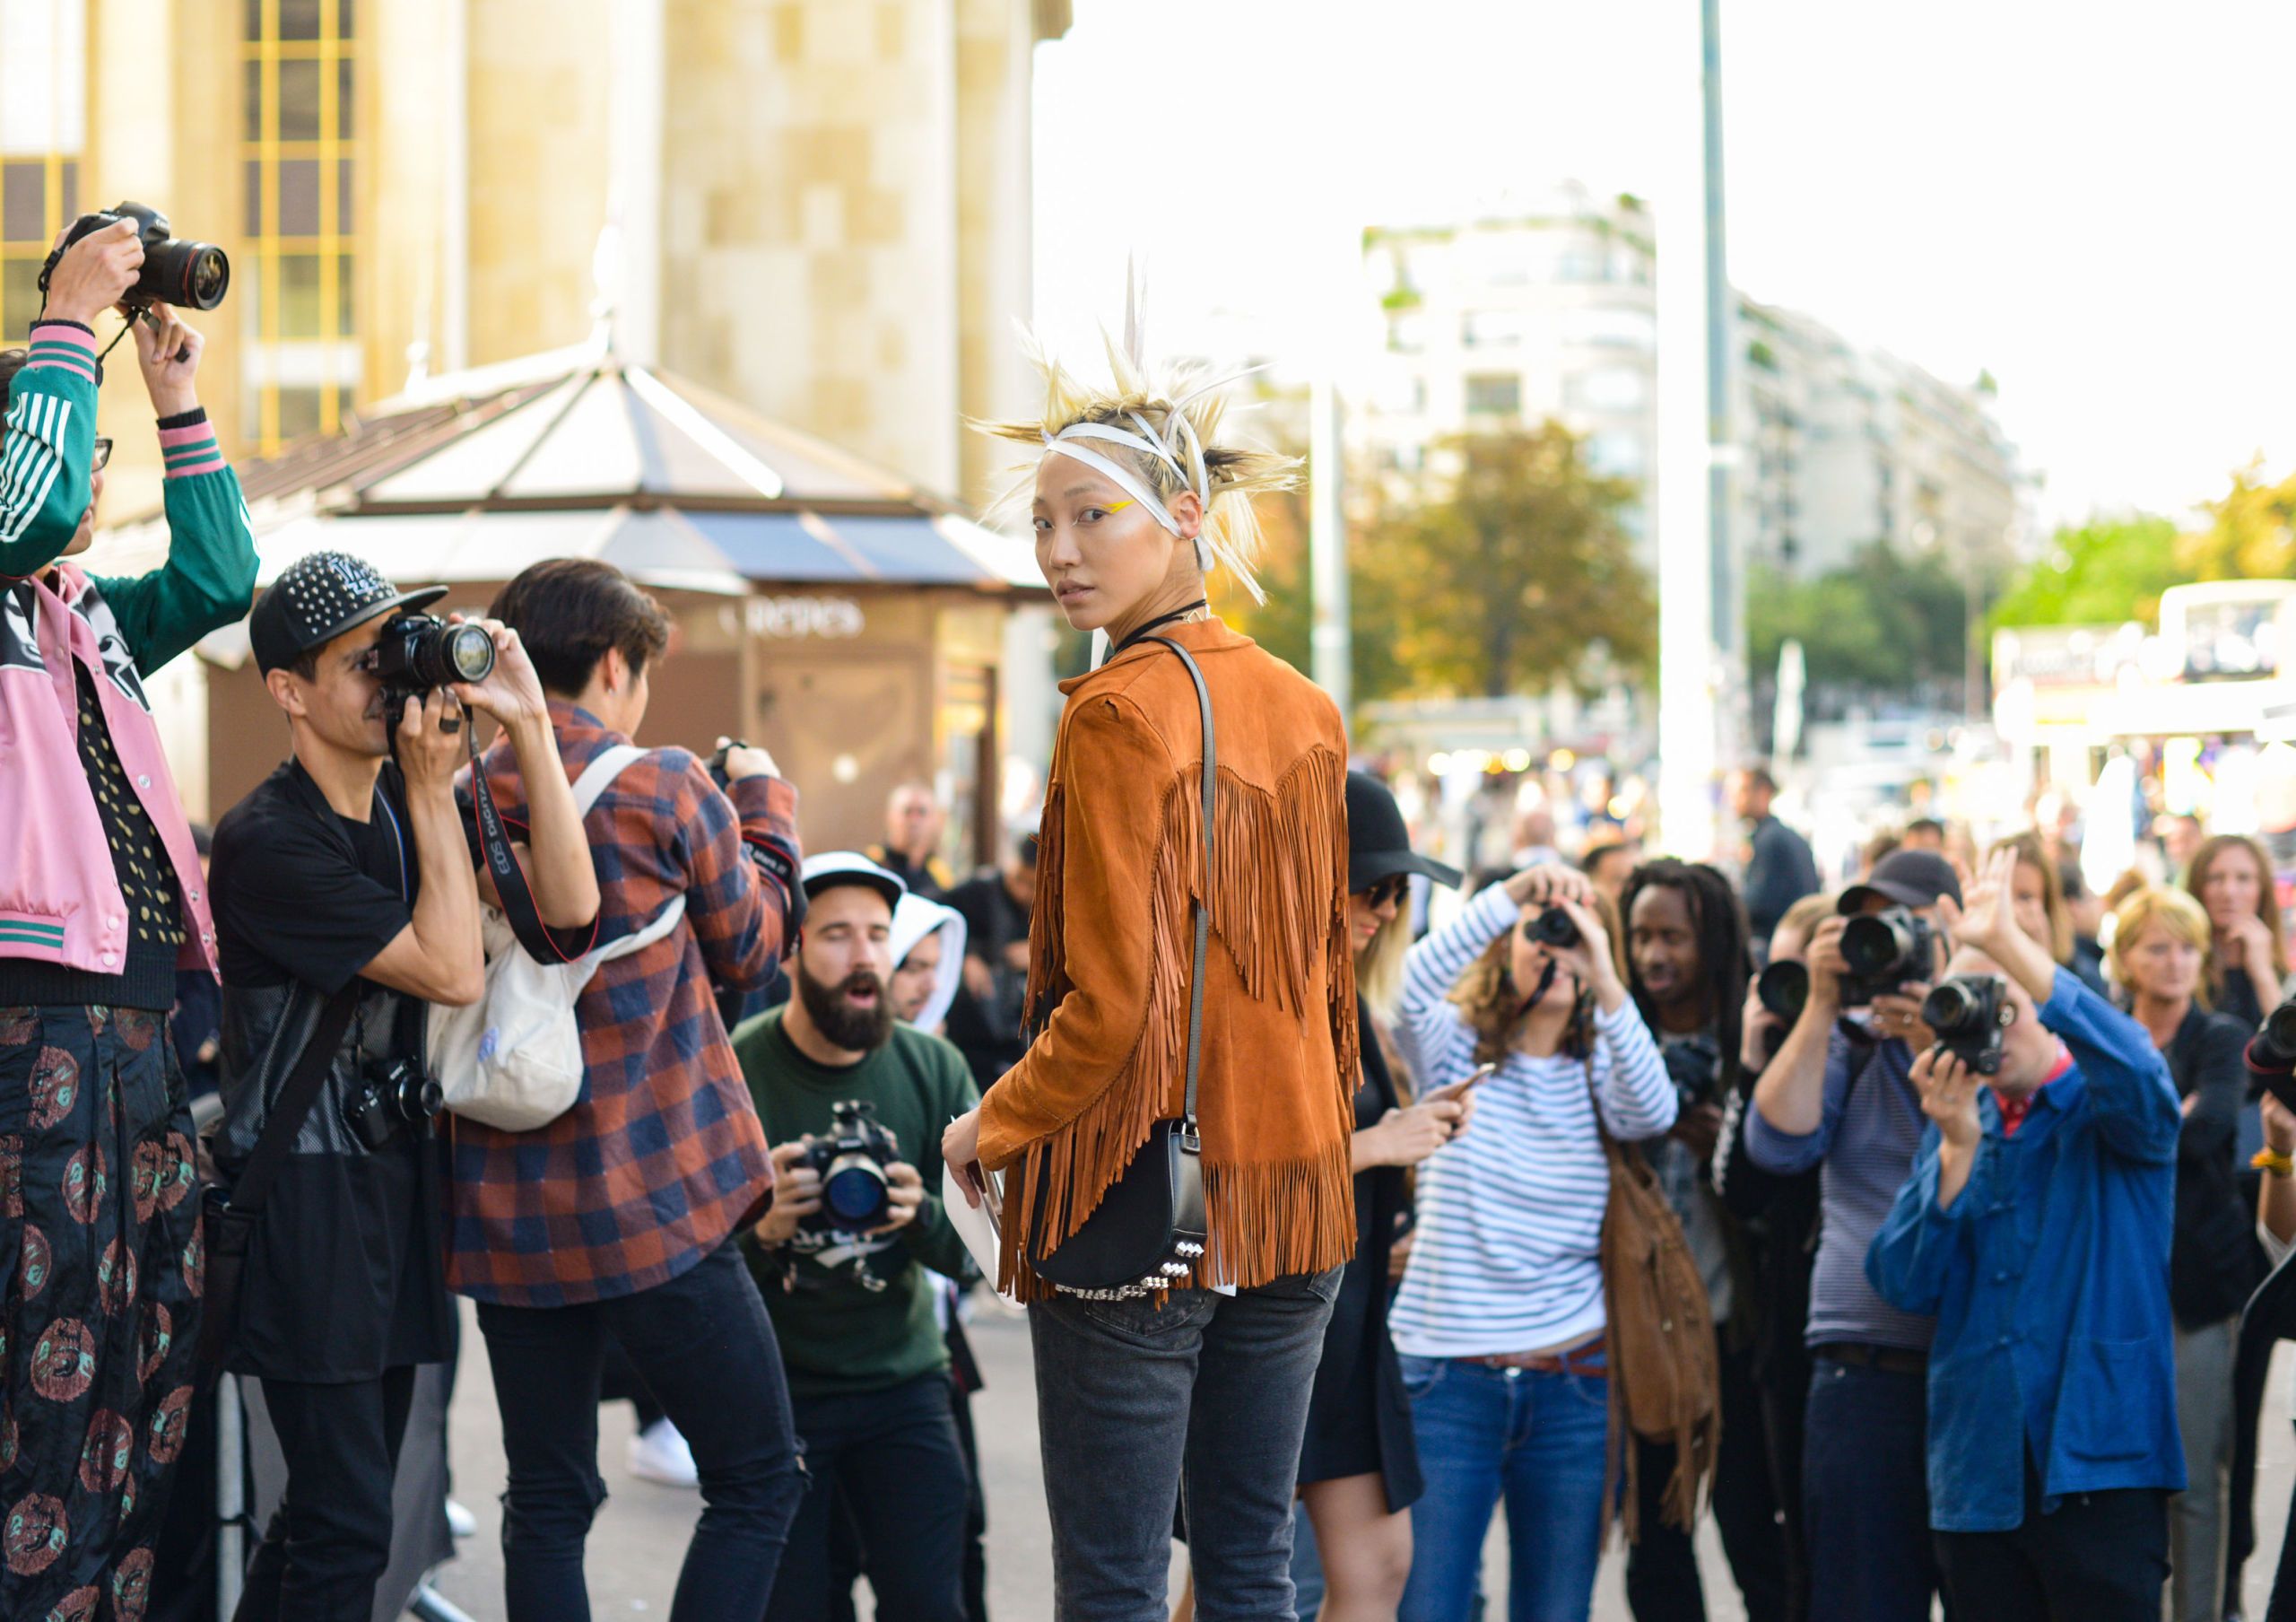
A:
(1967, 1233)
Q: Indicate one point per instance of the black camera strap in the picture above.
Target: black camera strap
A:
(294, 1103)
(543, 943)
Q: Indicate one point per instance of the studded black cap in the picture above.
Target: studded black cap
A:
(319, 597)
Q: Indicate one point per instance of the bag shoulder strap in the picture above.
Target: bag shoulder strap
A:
(598, 776)
(294, 1104)
(1211, 776)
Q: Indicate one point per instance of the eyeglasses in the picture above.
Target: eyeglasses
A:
(1393, 889)
(103, 454)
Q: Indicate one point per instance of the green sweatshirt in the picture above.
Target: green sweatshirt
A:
(838, 1335)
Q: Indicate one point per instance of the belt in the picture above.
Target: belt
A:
(1887, 1359)
(1592, 1358)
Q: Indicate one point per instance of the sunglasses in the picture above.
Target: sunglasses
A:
(103, 454)
(1393, 888)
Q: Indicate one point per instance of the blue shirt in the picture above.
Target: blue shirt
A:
(2050, 1280)
(1865, 1140)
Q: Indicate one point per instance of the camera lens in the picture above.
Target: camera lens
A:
(1951, 1009)
(855, 1193)
(1873, 945)
(2280, 1030)
(1783, 987)
(195, 275)
(471, 653)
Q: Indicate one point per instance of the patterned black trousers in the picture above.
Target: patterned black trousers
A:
(100, 1280)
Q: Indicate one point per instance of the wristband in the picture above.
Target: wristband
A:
(2273, 1163)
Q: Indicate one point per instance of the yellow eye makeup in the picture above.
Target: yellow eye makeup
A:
(1116, 506)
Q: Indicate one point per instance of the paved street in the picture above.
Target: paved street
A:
(640, 1533)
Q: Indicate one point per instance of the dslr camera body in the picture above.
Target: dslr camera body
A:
(416, 652)
(851, 1163)
(191, 276)
(1885, 950)
(1553, 928)
(1970, 1014)
(391, 1093)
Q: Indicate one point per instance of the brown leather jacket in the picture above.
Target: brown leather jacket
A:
(1111, 946)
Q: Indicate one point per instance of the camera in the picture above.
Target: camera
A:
(392, 1092)
(1694, 1065)
(2272, 1054)
(1783, 987)
(1970, 1013)
(851, 1162)
(419, 651)
(1553, 928)
(193, 275)
(1884, 950)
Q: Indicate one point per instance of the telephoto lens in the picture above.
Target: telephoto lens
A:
(1553, 928)
(1784, 988)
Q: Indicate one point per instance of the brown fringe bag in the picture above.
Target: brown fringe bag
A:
(1665, 1373)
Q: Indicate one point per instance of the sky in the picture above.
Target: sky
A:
(2088, 199)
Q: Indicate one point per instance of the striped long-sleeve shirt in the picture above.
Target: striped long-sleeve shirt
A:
(1511, 1215)
(47, 447)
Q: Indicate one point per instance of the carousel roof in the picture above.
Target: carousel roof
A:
(580, 453)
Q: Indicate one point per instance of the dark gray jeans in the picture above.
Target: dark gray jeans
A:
(1140, 1406)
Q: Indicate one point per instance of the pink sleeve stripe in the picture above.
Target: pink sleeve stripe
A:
(64, 332)
(190, 434)
(212, 462)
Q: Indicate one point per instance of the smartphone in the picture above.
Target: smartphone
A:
(1460, 1089)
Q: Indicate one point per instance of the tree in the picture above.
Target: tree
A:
(2099, 574)
(1285, 624)
(1888, 622)
(1509, 572)
(2249, 536)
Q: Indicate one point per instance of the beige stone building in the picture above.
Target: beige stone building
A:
(816, 208)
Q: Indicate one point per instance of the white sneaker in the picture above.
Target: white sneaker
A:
(460, 1522)
(658, 1453)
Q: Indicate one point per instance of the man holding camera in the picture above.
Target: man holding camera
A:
(1839, 1096)
(345, 901)
(101, 902)
(619, 1217)
(854, 1103)
(2037, 1228)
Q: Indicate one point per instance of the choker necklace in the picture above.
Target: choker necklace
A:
(1158, 623)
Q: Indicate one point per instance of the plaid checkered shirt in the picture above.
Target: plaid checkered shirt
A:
(663, 1156)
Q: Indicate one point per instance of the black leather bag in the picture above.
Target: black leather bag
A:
(229, 1219)
(1149, 1229)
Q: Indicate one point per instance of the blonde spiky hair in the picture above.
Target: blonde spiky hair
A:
(1154, 435)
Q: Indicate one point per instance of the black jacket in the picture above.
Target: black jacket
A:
(2212, 1259)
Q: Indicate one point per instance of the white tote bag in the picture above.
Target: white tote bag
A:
(513, 1059)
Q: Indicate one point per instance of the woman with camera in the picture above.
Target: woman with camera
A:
(2159, 939)
(1188, 942)
(1359, 1470)
(101, 902)
(1500, 1319)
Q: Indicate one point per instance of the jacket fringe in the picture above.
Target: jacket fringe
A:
(1278, 903)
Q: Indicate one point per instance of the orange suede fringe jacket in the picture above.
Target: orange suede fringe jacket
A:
(1120, 856)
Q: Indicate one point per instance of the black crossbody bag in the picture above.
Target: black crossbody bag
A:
(230, 1218)
(1149, 1229)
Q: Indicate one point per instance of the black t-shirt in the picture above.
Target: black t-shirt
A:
(288, 906)
(291, 903)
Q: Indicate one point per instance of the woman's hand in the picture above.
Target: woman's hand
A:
(961, 1150)
(1987, 919)
(169, 361)
(1547, 884)
(1405, 1137)
(2246, 944)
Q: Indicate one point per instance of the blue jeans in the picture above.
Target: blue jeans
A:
(1140, 1403)
(1866, 1494)
(1540, 1441)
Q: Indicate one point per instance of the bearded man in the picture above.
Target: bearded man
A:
(854, 1103)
